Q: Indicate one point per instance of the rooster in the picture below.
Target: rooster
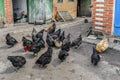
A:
(66, 43)
(56, 34)
(34, 38)
(45, 58)
(51, 29)
(17, 61)
(36, 46)
(102, 45)
(77, 42)
(62, 55)
(40, 42)
(26, 43)
(10, 40)
(38, 36)
(95, 58)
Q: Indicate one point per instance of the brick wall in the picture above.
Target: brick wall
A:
(8, 11)
(102, 15)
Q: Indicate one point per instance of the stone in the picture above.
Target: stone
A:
(72, 71)
(38, 79)
(92, 37)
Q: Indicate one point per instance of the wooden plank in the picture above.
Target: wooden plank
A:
(65, 15)
(61, 16)
(31, 11)
(40, 11)
(48, 6)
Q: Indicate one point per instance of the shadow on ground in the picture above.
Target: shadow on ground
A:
(9, 70)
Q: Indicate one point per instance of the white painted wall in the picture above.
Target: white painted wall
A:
(19, 6)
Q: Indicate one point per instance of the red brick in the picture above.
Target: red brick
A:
(107, 15)
(8, 11)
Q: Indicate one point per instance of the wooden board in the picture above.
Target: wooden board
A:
(65, 15)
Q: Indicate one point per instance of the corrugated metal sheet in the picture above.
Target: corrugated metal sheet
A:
(2, 10)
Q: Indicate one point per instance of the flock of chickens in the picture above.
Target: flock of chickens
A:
(54, 38)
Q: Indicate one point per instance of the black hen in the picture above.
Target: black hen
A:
(62, 36)
(40, 42)
(34, 38)
(66, 43)
(51, 31)
(10, 40)
(40, 34)
(35, 49)
(95, 58)
(50, 40)
(77, 42)
(56, 34)
(62, 55)
(86, 21)
(36, 46)
(58, 40)
(26, 43)
(45, 58)
(17, 61)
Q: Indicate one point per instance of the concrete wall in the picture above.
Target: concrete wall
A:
(102, 15)
(71, 7)
(19, 6)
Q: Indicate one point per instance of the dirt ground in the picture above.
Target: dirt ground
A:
(76, 67)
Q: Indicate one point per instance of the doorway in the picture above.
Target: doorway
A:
(19, 11)
(83, 8)
(36, 11)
